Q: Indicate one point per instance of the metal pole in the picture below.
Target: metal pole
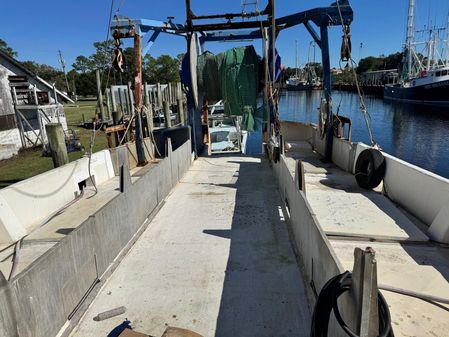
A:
(99, 94)
(137, 58)
(273, 42)
(410, 35)
(327, 88)
(267, 84)
(61, 59)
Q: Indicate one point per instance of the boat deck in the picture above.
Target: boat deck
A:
(216, 259)
(353, 217)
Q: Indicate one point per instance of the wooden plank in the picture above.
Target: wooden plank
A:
(115, 128)
(178, 332)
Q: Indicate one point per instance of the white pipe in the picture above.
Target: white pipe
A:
(425, 297)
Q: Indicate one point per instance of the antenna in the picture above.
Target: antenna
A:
(62, 62)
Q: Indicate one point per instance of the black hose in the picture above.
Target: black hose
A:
(328, 301)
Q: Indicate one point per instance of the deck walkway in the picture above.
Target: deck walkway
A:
(216, 259)
(353, 217)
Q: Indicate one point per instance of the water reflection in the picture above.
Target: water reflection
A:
(414, 133)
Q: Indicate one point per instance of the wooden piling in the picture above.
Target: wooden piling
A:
(150, 118)
(167, 116)
(99, 94)
(182, 117)
(108, 95)
(56, 143)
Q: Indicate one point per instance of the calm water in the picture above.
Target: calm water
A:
(419, 135)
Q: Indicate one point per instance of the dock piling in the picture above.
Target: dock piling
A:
(56, 142)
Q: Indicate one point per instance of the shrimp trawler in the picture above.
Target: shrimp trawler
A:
(304, 78)
(317, 236)
(425, 74)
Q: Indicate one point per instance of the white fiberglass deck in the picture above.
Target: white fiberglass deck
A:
(216, 259)
(352, 217)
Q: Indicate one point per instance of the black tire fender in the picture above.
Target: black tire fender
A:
(369, 168)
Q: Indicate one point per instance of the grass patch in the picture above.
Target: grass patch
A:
(30, 162)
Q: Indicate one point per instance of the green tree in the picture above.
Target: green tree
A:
(102, 58)
(7, 49)
(83, 64)
(345, 77)
(166, 70)
(382, 62)
(46, 72)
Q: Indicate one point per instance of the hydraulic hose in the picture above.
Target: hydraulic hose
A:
(328, 301)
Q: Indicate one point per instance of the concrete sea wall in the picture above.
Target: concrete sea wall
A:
(39, 300)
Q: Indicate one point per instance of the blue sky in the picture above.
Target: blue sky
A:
(38, 29)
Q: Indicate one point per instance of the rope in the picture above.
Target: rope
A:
(346, 56)
(127, 128)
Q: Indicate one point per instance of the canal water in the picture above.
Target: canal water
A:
(417, 134)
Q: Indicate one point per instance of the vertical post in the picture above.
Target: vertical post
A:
(18, 120)
(108, 94)
(137, 61)
(167, 116)
(38, 116)
(188, 16)
(75, 96)
(273, 41)
(131, 98)
(327, 88)
(150, 119)
(267, 83)
(121, 100)
(149, 108)
(61, 60)
(56, 103)
(182, 118)
(56, 143)
(147, 98)
(114, 102)
(159, 96)
(99, 94)
(410, 36)
(364, 293)
(169, 93)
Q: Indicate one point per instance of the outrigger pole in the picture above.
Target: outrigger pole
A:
(322, 17)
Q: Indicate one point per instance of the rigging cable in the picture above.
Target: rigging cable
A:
(94, 130)
(272, 95)
(346, 56)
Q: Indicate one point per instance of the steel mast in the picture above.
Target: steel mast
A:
(447, 42)
(296, 59)
(410, 35)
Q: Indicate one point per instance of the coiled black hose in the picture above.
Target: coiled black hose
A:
(328, 301)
